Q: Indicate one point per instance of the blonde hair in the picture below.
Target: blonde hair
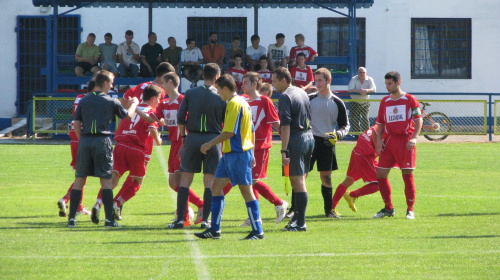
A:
(266, 89)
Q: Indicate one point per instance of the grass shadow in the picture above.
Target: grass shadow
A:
(466, 214)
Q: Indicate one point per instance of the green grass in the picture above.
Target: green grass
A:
(456, 233)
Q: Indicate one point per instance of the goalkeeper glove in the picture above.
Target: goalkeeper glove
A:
(331, 138)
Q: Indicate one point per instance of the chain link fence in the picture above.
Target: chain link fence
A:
(441, 117)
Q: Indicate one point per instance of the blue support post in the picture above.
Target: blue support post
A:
(53, 72)
(353, 54)
(255, 19)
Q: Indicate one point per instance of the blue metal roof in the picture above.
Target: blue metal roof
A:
(208, 3)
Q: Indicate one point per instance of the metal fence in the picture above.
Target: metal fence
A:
(441, 117)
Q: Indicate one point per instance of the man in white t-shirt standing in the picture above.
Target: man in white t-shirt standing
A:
(277, 54)
(360, 88)
(191, 58)
(128, 56)
(254, 53)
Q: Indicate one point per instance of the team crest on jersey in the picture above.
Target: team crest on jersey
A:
(395, 113)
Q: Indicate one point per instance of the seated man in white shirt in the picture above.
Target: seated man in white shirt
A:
(191, 60)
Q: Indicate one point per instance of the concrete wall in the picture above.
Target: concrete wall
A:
(388, 42)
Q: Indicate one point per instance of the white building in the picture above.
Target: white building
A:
(388, 27)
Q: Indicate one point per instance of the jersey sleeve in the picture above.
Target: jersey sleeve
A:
(129, 93)
(231, 119)
(310, 76)
(285, 112)
(381, 112)
(415, 108)
(271, 112)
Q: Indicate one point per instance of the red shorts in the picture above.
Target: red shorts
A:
(362, 167)
(396, 154)
(131, 159)
(174, 162)
(74, 151)
(261, 160)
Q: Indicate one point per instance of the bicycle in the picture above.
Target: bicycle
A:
(434, 123)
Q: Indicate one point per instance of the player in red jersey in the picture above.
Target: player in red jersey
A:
(302, 75)
(137, 91)
(400, 118)
(61, 203)
(363, 165)
(131, 138)
(264, 72)
(167, 110)
(264, 117)
(237, 71)
(309, 52)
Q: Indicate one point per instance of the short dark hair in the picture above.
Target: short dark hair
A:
(283, 73)
(189, 40)
(172, 76)
(129, 32)
(302, 54)
(212, 33)
(263, 58)
(254, 37)
(91, 85)
(170, 38)
(108, 35)
(101, 77)
(151, 91)
(226, 81)
(91, 35)
(254, 77)
(164, 68)
(279, 36)
(237, 55)
(394, 75)
(210, 71)
(151, 34)
(236, 38)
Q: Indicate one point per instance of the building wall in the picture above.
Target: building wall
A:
(388, 45)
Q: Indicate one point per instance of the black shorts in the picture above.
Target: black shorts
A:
(95, 156)
(191, 69)
(192, 158)
(85, 66)
(300, 146)
(324, 155)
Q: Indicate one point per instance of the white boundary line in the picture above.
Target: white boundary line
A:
(196, 254)
(201, 257)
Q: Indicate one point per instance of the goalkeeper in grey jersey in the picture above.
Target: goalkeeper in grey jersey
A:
(329, 122)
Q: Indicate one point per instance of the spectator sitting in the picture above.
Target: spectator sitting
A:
(87, 55)
(172, 54)
(150, 56)
(254, 53)
(277, 54)
(128, 56)
(191, 58)
(301, 48)
(264, 72)
(237, 71)
(213, 52)
(108, 56)
(266, 89)
(236, 50)
(302, 75)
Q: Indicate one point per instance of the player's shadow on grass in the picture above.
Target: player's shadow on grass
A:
(27, 217)
(465, 236)
(466, 214)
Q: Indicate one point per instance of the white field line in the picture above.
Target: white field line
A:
(201, 257)
(196, 254)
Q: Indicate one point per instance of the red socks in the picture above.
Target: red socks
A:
(128, 190)
(410, 190)
(365, 190)
(385, 191)
(339, 192)
(264, 190)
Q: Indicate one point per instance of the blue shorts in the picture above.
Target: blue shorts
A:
(237, 167)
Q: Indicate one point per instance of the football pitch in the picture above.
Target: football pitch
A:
(456, 233)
